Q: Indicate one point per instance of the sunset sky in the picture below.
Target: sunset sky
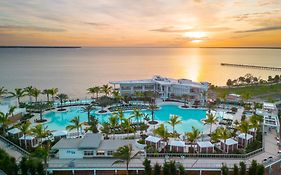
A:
(141, 23)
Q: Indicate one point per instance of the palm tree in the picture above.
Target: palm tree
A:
(244, 127)
(88, 109)
(126, 125)
(211, 119)
(41, 107)
(117, 96)
(113, 121)
(173, 121)
(53, 92)
(138, 94)
(120, 115)
(19, 93)
(12, 110)
(124, 154)
(185, 97)
(4, 121)
(76, 124)
(47, 92)
(24, 128)
(61, 98)
(29, 91)
(193, 136)
(3, 92)
(41, 132)
(224, 134)
(152, 107)
(35, 93)
(137, 114)
(106, 89)
(94, 91)
(255, 121)
(162, 132)
(105, 129)
(93, 125)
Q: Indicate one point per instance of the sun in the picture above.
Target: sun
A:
(195, 36)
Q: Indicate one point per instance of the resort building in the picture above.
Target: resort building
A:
(91, 145)
(165, 87)
(15, 132)
(205, 147)
(153, 141)
(176, 146)
(229, 145)
(243, 138)
(233, 98)
(29, 141)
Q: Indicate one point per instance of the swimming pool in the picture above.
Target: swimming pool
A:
(189, 117)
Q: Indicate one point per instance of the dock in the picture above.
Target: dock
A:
(252, 66)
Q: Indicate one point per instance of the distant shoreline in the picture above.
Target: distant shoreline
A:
(44, 47)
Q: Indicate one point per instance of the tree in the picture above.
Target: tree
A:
(106, 89)
(53, 92)
(19, 93)
(3, 92)
(242, 168)
(229, 82)
(235, 170)
(41, 107)
(181, 170)
(117, 96)
(29, 91)
(47, 92)
(162, 132)
(255, 121)
(253, 168)
(211, 119)
(224, 169)
(62, 98)
(193, 136)
(126, 125)
(157, 169)
(166, 168)
(185, 98)
(93, 124)
(105, 129)
(4, 121)
(35, 93)
(25, 130)
(41, 132)
(173, 168)
(94, 91)
(173, 121)
(152, 107)
(125, 155)
(260, 169)
(244, 127)
(76, 124)
(8, 164)
(12, 110)
(137, 114)
(147, 167)
(224, 134)
(88, 109)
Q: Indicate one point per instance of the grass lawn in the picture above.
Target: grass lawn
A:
(254, 90)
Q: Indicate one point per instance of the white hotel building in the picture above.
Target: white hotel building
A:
(165, 87)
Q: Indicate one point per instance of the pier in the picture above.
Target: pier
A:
(252, 66)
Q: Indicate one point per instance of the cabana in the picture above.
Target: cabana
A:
(229, 145)
(30, 141)
(153, 141)
(253, 132)
(205, 147)
(15, 132)
(59, 135)
(176, 146)
(242, 138)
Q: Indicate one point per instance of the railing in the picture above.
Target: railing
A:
(18, 148)
(200, 155)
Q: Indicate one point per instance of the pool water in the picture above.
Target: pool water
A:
(189, 117)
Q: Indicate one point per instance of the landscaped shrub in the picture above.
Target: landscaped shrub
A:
(7, 163)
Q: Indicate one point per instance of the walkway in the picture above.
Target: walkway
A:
(12, 149)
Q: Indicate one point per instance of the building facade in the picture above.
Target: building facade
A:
(165, 87)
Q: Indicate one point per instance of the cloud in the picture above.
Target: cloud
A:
(96, 24)
(260, 29)
(173, 30)
(30, 28)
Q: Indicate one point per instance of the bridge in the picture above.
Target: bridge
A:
(252, 66)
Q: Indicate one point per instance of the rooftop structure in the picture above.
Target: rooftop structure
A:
(166, 87)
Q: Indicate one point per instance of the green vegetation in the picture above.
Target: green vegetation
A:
(7, 163)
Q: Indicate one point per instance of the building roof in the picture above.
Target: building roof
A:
(205, 144)
(67, 143)
(243, 136)
(230, 141)
(27, 137)
(152, 139)
(269, 105)
(114, 144)
(59, 133)
(145, 81)
(14, 131)
(91, 140)
(176, 143)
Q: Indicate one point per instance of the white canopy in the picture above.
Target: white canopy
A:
(153, 139)
(206, 144)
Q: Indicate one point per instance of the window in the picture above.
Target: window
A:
(100, 153)
(88, 153)
(70, 152)
(109, 153)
